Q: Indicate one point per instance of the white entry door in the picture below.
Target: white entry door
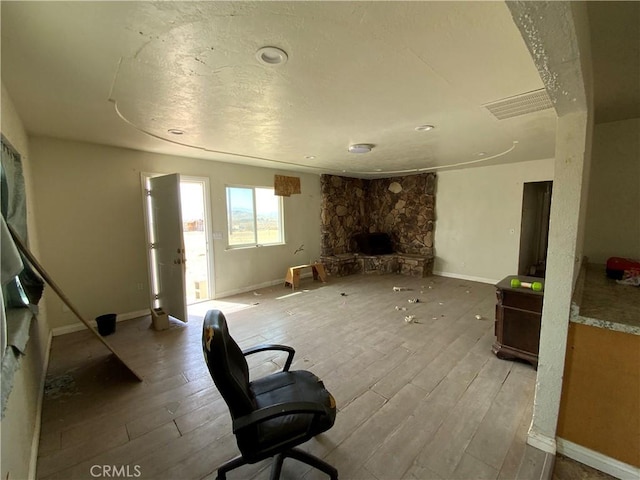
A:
(168, 253)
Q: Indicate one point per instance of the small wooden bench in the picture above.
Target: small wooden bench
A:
(293, 274)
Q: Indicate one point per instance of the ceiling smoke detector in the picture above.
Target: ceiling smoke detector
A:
(271, 56)
(360, 148)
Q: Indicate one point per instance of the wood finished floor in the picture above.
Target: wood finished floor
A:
(422, 400)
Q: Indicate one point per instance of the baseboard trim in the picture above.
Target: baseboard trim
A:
(131, 315)
(597, 460)
(258, 286)
(78, 326)
(471, 278)
(542, 442)
(35, 441)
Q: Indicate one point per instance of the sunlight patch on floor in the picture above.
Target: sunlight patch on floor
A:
(200, 309)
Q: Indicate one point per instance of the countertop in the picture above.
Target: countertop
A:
(599, 301)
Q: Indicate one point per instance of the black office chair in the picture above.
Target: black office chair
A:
(271, 415)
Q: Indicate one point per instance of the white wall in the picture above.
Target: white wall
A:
(92, 232)
(21, 424)
(478, 215)
(613, 217)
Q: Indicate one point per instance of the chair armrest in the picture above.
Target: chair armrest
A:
(277, 410)
(267, 347)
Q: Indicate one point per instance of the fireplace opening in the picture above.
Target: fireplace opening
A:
(376, 243)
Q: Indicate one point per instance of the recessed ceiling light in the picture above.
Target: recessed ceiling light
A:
(424, 128)
(175, 131)
(272, 56)
(360, 148)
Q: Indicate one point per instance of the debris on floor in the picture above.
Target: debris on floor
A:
(478, 317)
(409, 318)
(401, 308)
(172, 408)
(343, 294)
(256, 293)
(414, 300)
(400, 289)
(62, 385)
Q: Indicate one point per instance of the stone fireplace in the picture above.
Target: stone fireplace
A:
(401, 207)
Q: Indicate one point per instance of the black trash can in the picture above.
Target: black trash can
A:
(106, 324)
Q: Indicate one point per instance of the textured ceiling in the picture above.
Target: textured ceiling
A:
(125, 73)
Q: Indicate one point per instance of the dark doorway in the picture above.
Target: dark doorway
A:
(534, 230)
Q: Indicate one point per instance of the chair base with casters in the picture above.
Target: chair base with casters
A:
(276, 468)
(271, 415)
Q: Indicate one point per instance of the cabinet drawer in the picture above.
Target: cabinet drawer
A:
(523, 301)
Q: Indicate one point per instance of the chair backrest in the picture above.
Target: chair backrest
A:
(226, 364)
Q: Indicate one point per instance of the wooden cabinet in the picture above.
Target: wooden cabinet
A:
(518, 316)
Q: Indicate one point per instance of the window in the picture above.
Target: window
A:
(255, 216)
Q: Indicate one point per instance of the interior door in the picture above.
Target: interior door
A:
(168, 245)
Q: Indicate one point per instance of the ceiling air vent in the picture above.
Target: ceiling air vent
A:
(520, 104)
